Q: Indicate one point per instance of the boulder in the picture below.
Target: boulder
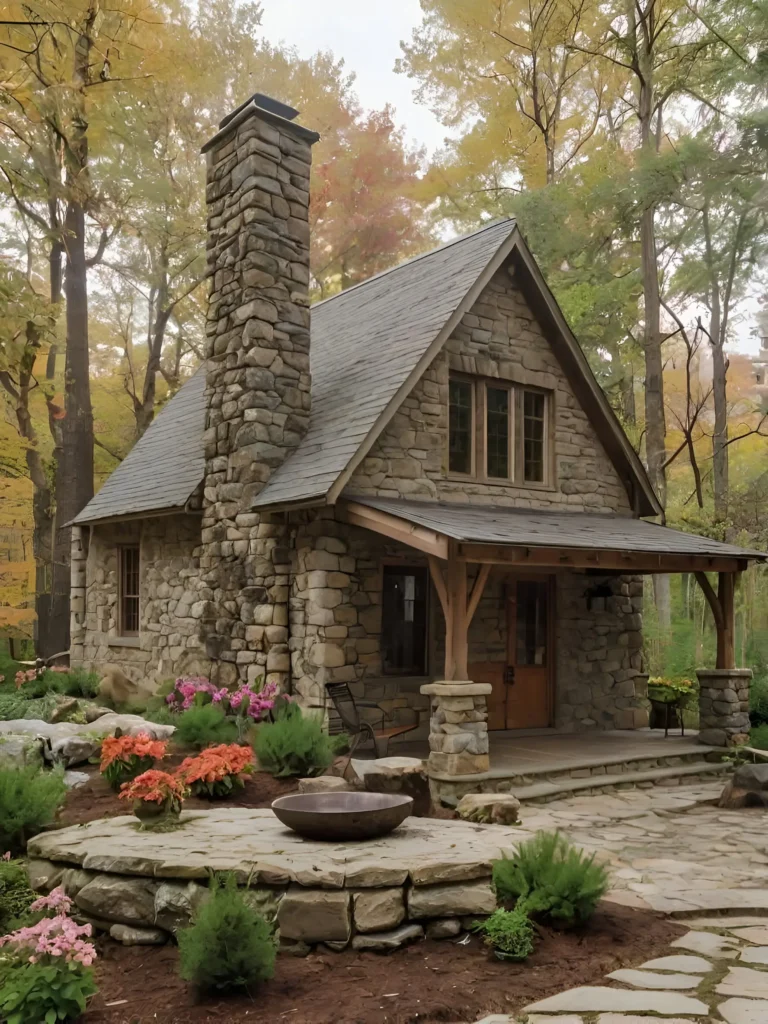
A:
(65, 709)
(93, 712)
(175, 904)
(70, 744)
(119, 898)
(21, 751)
(138, 936)
(264, 900)
(403, 775)
(378, 910)
(384, 941)
(117, 688)
(43, 875)
(444, 928)
(747, 788)
(451, 900)
(315, 915)
(487, 808)
(324, 784)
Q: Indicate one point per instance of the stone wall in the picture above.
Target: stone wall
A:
(170, 601)
(258, 382)
(499, 338)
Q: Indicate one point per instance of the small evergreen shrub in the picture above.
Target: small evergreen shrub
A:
(203, 726)
(758, 701)
(509, 933)
(294, 745)
(75, 683)
(16, 896)
(228, 946)
(549, 878)
(758, 737)
(29, 799)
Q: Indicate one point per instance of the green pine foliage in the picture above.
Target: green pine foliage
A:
(29, 799)
(228, 946)
(758, 737)
(203, 726)
(509, 933)
(550, 879)
(294, 745)
(15, 895)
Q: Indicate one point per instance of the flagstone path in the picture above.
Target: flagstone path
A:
(672, 850)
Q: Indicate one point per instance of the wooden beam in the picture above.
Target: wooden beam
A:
(477, 591)
(438, 580)
(457, 591)
(573, 558)
(400, 530)
(726, 652)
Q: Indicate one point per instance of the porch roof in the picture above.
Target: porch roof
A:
(546, 538)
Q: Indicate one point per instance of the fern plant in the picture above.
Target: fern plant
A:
(552, 880)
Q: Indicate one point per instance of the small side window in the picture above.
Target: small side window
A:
(534, 436)
(498, 434)
(128, 590)
(461, 415)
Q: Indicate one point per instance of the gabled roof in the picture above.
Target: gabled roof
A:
(164, 468)
(369, 346)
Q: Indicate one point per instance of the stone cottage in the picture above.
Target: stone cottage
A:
(425, 495)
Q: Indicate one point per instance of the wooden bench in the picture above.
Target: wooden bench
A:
(351, 722)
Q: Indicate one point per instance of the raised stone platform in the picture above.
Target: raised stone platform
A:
(427, 870)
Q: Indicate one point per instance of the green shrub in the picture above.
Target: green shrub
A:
(75, 683)
(44, 992)
(509, 932)
(294, 744)
(29, 800)
(758, 701)
(203, 726)
(550, 879)
(229, 945)
(16, 705)
(15, 894)
(758, 737)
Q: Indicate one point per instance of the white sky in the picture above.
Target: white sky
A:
(367, 36)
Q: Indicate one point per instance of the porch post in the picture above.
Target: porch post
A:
(724, 690)
(458, 725)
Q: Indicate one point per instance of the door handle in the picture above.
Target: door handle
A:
(509, 675)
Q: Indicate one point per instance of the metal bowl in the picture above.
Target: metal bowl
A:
(342, 816)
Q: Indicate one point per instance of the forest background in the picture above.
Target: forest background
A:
(629, 138)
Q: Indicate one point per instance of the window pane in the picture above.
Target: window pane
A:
(497, 432)
(531, 622)
(534, 405)
(129, 590)
(404, 621)
(460, 426)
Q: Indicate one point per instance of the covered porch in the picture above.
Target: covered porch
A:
(570, 579)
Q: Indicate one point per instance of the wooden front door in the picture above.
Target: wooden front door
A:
(522, 687)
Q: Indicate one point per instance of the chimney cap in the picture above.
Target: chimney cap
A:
(272, 106)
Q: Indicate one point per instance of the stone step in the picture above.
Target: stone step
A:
(543, 792)
(621, 763)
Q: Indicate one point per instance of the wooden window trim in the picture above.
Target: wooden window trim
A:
(452, 473)
(548, 483)
(122, 630)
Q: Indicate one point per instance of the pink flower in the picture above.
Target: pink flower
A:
(56, 900)
(53, 936)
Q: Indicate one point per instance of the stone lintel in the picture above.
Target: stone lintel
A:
(460, 688)
(723, 673)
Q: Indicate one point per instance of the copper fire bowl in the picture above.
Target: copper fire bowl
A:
(342, 816)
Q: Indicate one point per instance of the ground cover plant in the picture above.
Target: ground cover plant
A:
(16, 896)
(229, 946)
(551, 880)
(294, 744)
(45, 965)
(509, 933)
(29, 799)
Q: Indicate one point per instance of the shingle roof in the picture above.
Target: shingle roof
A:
(365, 343)
(164, 468)
(473, 524)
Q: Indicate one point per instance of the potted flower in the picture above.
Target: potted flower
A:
(669, 698)
(125, 757)
(217, 771)
(157, 796)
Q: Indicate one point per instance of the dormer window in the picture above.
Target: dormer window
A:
(499, 431)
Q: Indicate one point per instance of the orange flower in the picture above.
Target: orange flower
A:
(123, 748)
(215, 765)
(154, 786)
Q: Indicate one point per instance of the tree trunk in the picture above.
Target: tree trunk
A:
(55, 262)
(720, 433)
(145, 410)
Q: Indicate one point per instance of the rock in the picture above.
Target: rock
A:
(600, 998)
(496, 808)
(744, 1011)
(713, 737)
(69, 750)
(64, 709)
(451, 900)
(324, 784)
(384, 941)
(117, 688)
(706, 943)
(377, 910)
(44, 875)
(264, 900)
(70, 743)
(93, 712)
(315, 915)
(294, 948)
(743, 981)
(756, 933)
(75, 879)
(755, 955)
(444, 928)
(747, 788)
(651, 979)
(138, 936)
(681, 964)
(74, 780)
(176, 903)
(21, 751)
(119, 898)
(407, 780)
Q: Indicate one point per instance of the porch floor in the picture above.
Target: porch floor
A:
(532, 752)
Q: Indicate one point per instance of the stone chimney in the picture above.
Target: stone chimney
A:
(257, 377)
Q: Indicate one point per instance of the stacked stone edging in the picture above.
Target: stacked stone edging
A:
(723, 705)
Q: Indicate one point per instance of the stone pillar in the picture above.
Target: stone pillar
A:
(723, 705)
(78, 558)
(458, 727)
(257, 383)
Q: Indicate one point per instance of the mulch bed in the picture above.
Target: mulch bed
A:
(426, 982)
(95, 799)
